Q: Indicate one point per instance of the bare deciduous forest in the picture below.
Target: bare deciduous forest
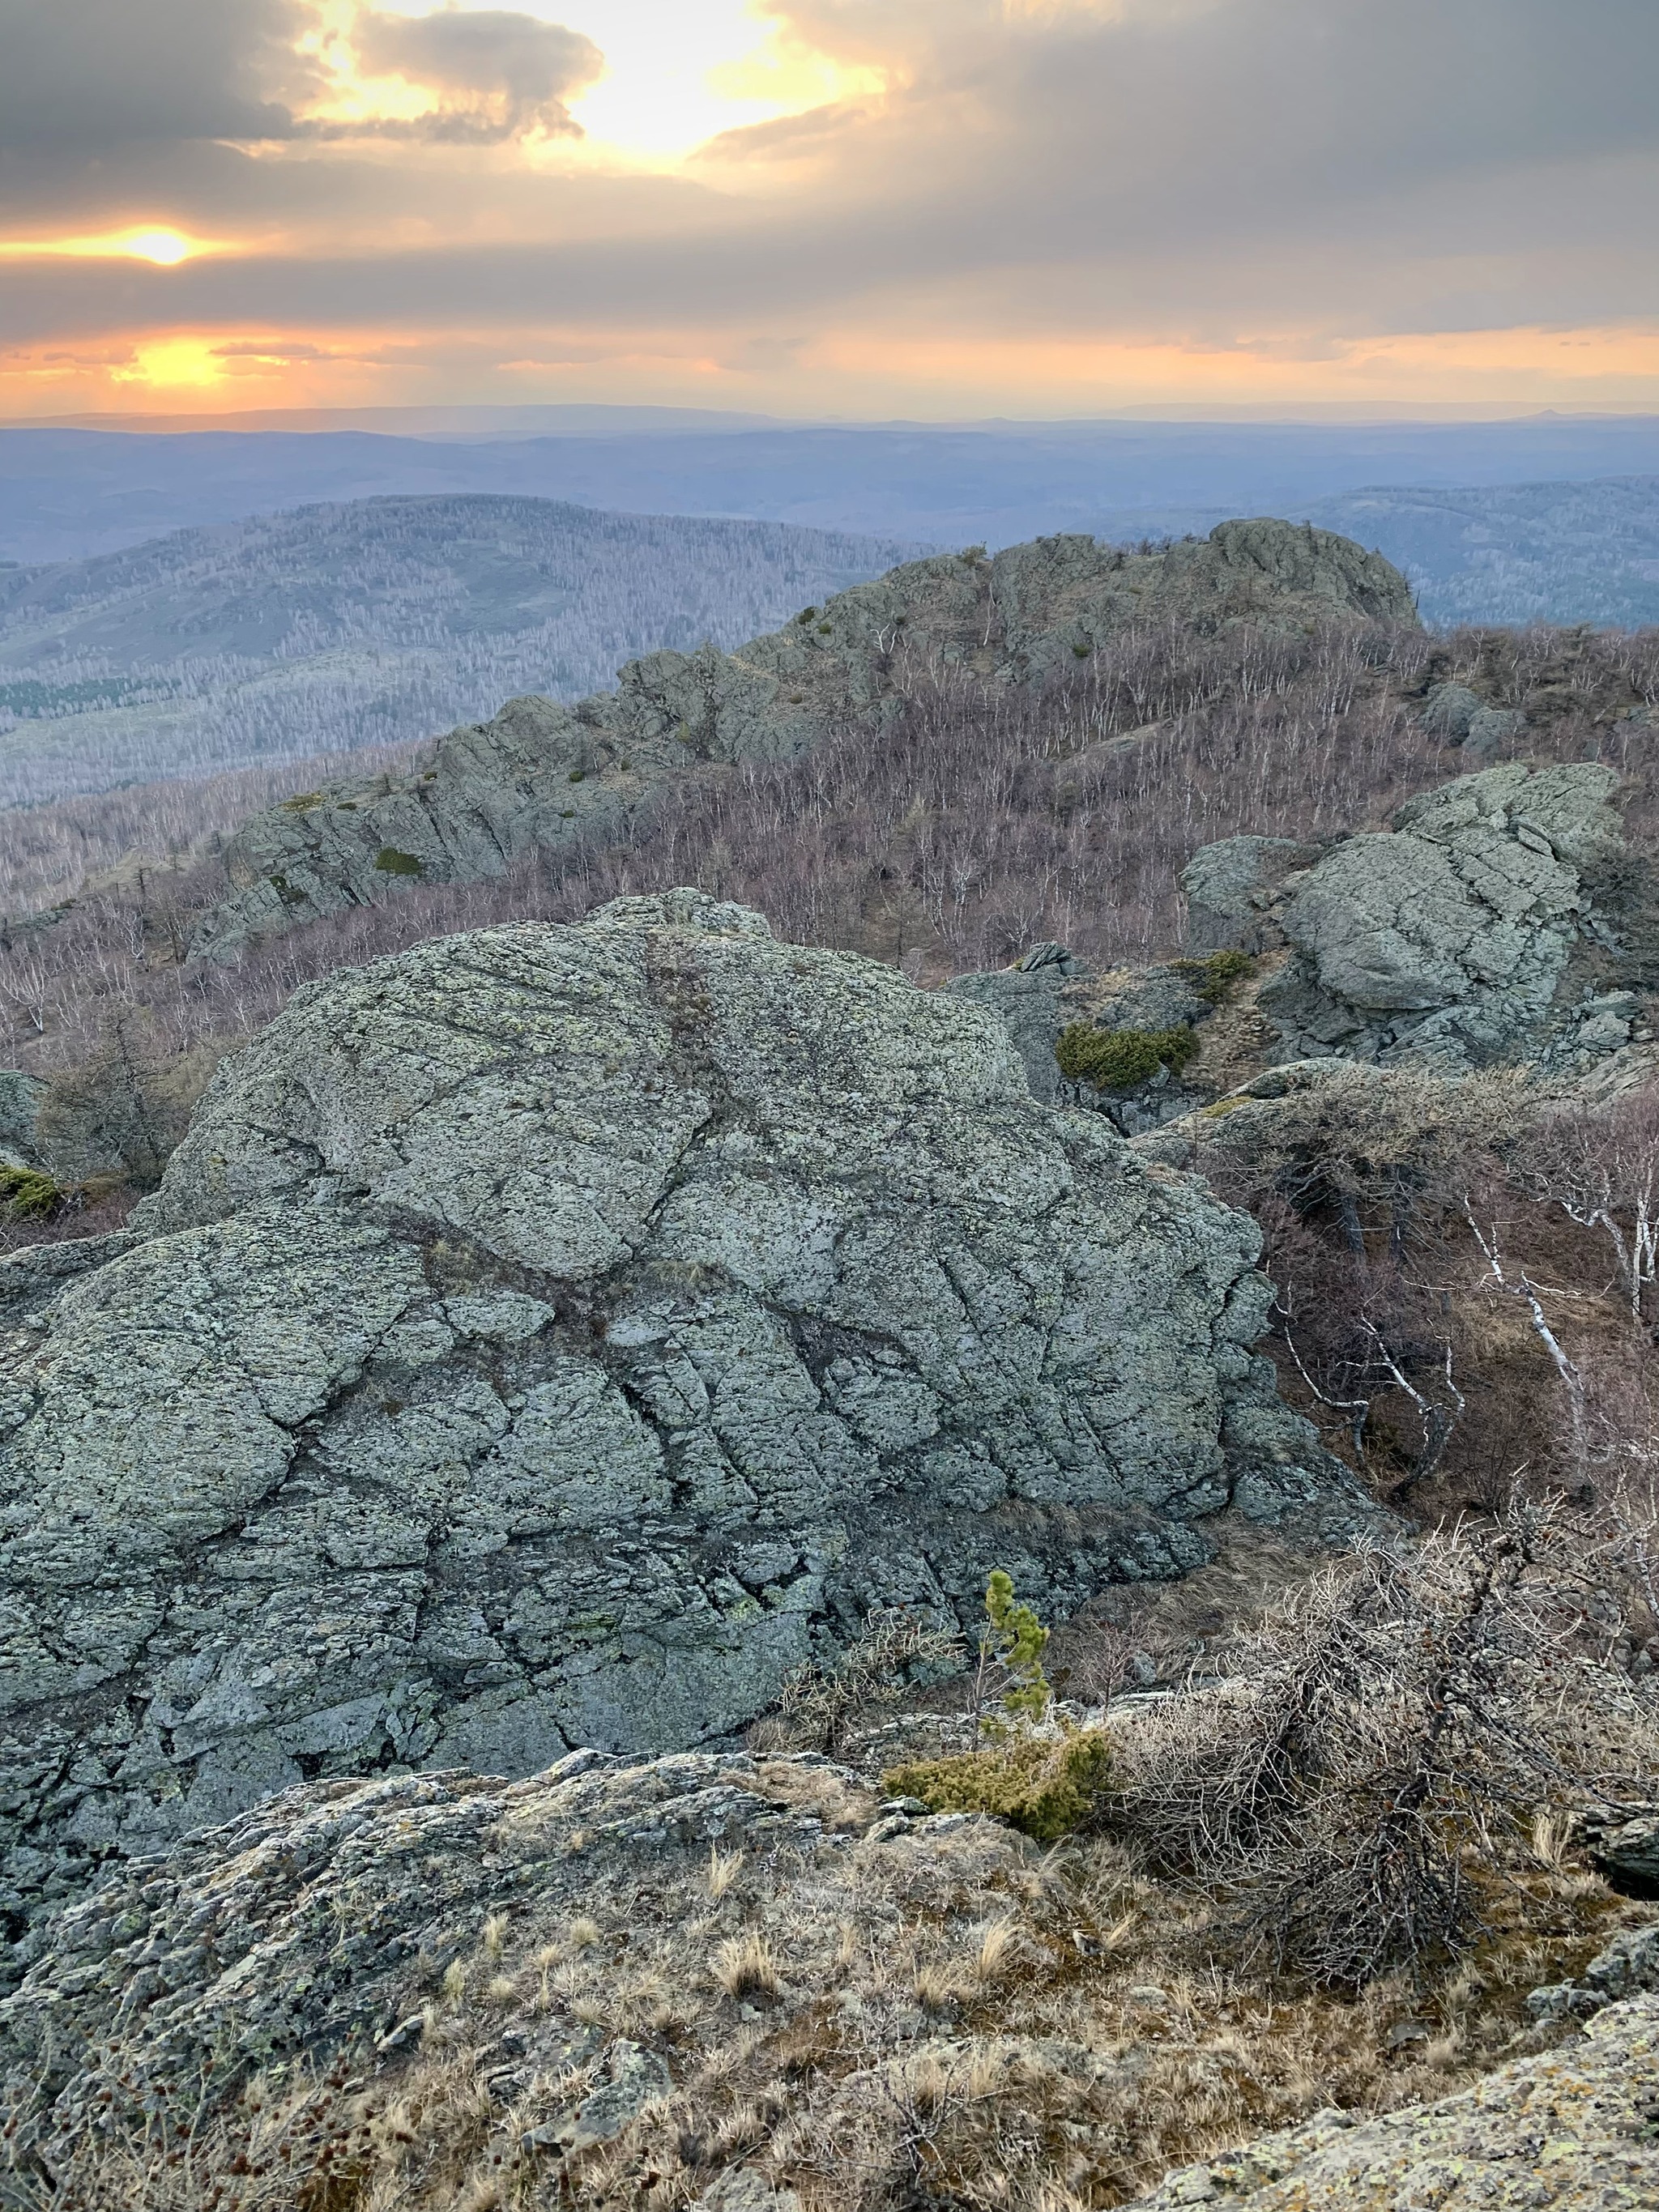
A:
(370, 623)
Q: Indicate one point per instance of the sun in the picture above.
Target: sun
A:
(168, 248)
(183, 362)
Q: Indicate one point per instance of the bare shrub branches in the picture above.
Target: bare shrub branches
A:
(1377, 1738)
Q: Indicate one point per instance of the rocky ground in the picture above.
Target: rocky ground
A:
(548, 1341)
(747, 1981)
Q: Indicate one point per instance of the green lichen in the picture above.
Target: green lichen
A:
(1116, 1060)
(1214, 977)
(390, 862)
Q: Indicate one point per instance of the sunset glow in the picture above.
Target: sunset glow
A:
(165, 248)
(928, 208)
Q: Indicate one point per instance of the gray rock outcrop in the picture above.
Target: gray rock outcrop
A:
(20, 1109)
(1571, 2131)
(1032, 1000)
(541, 774)
(1480, 929)
(1231, 889)
(550, 1336)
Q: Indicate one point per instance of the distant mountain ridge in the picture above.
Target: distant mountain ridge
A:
(66, 493)
(372, 622)
(1516, 553)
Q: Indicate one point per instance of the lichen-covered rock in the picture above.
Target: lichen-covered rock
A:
(1448, 710)
(1629, 1967)
(1473, 932)
(541, 774)
(324, 1919)
(1576, 2129)
(550, 1336)
(1033, 1000)
(1231, 889)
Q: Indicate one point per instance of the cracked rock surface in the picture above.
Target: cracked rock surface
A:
(1479, 929)
(541, 774)
(550, 1336)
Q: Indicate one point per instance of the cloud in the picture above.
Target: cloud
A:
(1263, 180)
(496, 74)
(80, 76)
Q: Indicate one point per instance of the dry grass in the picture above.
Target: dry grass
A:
(965, 2020)
(747, 1965)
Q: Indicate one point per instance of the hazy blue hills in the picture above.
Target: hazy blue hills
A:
(1516, 553)
(67, 493)
(335, 626)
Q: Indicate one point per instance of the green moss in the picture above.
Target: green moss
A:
(807, 614)
(1047, 1786)
(1213, 978)
(826, 630)
(27, 1194)
(301, 801)
(1116, 1060)
(1083, 651)
(577, 775)
(390, 862)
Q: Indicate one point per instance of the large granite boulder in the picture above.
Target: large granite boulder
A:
(541, 774)
(1490, 924)
(550, 1336)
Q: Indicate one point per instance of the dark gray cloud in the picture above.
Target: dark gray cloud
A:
(81, 77)
(499, 73)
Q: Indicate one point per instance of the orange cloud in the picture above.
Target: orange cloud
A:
(848, 371)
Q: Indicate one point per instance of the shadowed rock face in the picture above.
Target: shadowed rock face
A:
(541, 774)
(552, 1335)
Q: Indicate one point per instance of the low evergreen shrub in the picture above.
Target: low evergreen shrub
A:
(1046, 1786)
(1116, 1060)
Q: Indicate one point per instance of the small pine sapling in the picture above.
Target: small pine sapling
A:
(1010, 1648)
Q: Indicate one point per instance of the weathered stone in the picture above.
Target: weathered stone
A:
(1231, 887)
(1029, 1000)
(541, 775)
(1628, 1852)
(1629, 1967)
(1576, 2129)
(1449, 709)
(1470, 934)
(1493, 728)
(550, 1336)
(20, 1106)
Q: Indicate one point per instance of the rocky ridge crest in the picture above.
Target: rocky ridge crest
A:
(541, 775)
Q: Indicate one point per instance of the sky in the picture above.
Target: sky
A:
(856, 208)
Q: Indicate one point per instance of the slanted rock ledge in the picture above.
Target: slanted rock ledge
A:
(550, 1336)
